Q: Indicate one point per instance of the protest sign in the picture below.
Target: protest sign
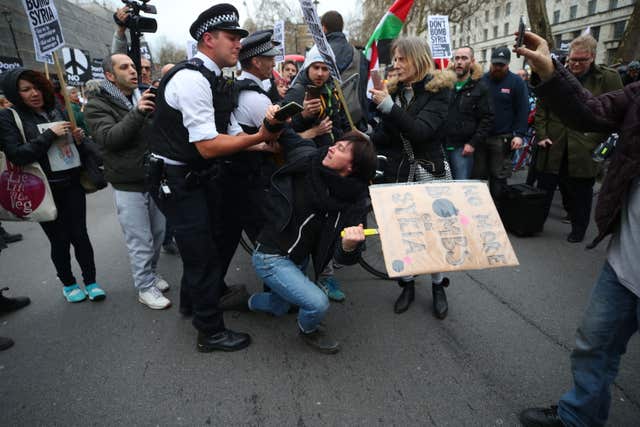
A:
(45, 25)
(315, 28)
(278, 36)
(439, 36)
(439, 226)
(47, 58)
(145, 51)
(8, 63)
(77, 66)
(96, 69)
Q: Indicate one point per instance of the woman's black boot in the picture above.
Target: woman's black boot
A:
(440, 306)
(406, 297)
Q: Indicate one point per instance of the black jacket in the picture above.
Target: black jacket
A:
(37, 146)
(119, 132)
(470, 114)
(299, 123)
(421, 124)
(281, 225)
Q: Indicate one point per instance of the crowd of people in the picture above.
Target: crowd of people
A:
(201, 157)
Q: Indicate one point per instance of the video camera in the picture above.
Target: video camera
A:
(137, 23)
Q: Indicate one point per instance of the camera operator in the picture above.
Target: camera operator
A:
(118, 116)
(120, 44)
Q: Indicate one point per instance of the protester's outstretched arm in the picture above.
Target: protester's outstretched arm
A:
(566, 97)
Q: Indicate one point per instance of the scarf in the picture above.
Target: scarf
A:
(328, 191)
(116, 94)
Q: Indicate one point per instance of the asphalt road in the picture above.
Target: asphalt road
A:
(504, 346)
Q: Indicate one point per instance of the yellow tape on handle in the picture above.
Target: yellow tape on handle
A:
(367, 232)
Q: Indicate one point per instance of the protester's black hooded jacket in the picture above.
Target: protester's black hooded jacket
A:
(35, 150)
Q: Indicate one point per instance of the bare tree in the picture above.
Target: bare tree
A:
(539, 20)
(169, 52)
(629, 48)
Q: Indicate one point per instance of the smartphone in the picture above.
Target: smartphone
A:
(153, 90)
(289, 110)
(376, 78)
(313, 92)
(521, 31)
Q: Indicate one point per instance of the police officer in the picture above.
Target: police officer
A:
(193, 130)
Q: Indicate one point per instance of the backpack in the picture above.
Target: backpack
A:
(350, 86)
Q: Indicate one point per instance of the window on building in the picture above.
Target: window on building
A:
(611, 55)
(506, 29)
(618, 29)
(486, 34)
(556, 16)
(484, 55)
(486, 16)
(613, 4)
(495, 31)
(573, 12)
(507, 9)
(575, 34)
(468, 40)
(595, 32)
(453, 30)
(591, 7)
(496, 12)
(454, 44)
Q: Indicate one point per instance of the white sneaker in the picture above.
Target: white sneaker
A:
(153, 298)
(161, 284)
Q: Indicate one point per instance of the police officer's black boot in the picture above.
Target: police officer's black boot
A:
(406, 297)
(440, 306)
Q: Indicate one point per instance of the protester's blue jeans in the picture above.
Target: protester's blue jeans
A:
(289, 286)
(610, 320)
(461, 166)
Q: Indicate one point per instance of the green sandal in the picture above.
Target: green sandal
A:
(95, 292)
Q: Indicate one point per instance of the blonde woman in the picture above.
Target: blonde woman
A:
(413, 108)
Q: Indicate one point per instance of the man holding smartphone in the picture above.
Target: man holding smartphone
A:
(322, 120)
(117, 117)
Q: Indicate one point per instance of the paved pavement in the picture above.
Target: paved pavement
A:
(504, 346)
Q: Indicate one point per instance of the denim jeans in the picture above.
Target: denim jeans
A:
(461, 166)
(289, 285)
(611, 318)
(143, 227)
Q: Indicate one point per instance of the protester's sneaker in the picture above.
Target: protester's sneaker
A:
(95, 292)
(331, 287)
(12, 304)
(73, 293)
(540, 417)
(161, 284)
(153, 298)
(320, 341)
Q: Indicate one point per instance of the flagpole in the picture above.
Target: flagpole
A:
(63, 88)
(343, 102)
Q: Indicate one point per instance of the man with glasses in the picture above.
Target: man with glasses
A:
(564, 155)
(509, 97)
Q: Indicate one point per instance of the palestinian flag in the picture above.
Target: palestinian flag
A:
(378, 46)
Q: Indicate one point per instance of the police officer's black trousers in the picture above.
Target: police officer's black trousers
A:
(189, 211)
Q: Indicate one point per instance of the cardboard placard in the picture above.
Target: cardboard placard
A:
(278, 35)
(312, 20)
(439, 226)
(439, 36)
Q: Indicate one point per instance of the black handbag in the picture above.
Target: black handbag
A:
(91, 172)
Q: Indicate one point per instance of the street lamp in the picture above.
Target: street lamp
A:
(7, 17)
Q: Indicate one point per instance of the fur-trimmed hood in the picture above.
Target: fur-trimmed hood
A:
(434, 82)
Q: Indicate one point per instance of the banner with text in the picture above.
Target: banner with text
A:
(439, 36)
(45, 25)
(77, 66)
(278, 36)
(96, 69)
(312, 20)
(192, 48)
(439, 226)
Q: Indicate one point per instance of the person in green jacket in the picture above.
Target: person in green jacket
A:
(76, 106)
(565, 154)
